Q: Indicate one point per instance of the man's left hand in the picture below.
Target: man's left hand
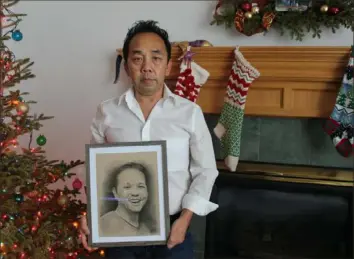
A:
(179, 229)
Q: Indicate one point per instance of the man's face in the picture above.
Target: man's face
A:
(131, 189)
(147, 63)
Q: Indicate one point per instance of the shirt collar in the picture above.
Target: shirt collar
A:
(128, 95)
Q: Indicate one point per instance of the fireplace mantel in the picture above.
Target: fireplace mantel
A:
(294, 81)
(293, 174)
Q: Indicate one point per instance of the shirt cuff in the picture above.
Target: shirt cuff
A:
(198, 205)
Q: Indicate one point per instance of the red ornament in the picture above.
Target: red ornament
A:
(71, 256)
(333, 10)
(77, 184)
(246, 6)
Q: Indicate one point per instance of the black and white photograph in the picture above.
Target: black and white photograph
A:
(127, 193)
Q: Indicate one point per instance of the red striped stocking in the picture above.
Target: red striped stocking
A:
(190, 80)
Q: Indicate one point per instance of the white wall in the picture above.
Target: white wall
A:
(73, 46)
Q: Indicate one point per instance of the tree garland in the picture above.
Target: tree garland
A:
(256, 16)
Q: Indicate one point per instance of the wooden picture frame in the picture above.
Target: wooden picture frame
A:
(127, 194)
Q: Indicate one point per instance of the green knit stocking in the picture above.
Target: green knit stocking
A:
(229, 126)
(231, 142)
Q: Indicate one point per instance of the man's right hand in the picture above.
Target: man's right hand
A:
(84, 231)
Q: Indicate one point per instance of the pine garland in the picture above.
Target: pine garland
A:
(330, 14)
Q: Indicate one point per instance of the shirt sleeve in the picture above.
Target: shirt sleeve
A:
(202, 168)
(97, 127)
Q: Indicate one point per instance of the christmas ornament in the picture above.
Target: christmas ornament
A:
(324, 8)
(333, 10)
(41, 140)
(70, 256)
(17, 35)
(22, 107)
(63, 200)
(246, 6)
(18, 197)
(77, 184)
(229, 127)
(255, 9)
(248, 15)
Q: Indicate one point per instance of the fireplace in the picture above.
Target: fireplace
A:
(281, 215)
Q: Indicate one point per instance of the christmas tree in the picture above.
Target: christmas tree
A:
(36, 221)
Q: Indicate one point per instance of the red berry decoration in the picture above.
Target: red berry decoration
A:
(246, 6)
(333, 10)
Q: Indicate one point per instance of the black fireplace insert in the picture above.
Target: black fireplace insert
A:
(263, 219)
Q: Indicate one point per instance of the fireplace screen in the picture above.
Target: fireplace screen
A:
(263, 219)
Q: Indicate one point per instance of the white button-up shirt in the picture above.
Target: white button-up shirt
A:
(190, 155)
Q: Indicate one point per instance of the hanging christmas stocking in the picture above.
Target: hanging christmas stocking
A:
(191, 78)
(229, 126)
(340, 125)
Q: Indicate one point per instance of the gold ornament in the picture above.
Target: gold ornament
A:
(255, 9)
(248, 15)
(22, 107)
(324, 8)
(206, 44)
(63, 200)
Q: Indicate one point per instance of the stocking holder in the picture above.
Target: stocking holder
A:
(187, 55)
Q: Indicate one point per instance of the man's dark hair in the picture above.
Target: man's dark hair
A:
(130, 165)
(146, 26)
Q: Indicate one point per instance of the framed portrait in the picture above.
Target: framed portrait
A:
(127, 194)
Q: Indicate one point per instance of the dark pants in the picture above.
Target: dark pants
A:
(181, 251)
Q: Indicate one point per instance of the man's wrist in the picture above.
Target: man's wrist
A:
(186, 215)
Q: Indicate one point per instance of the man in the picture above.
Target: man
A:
(129, 187)
(150, 111)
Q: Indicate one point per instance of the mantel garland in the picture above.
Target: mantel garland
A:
(256, 16)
